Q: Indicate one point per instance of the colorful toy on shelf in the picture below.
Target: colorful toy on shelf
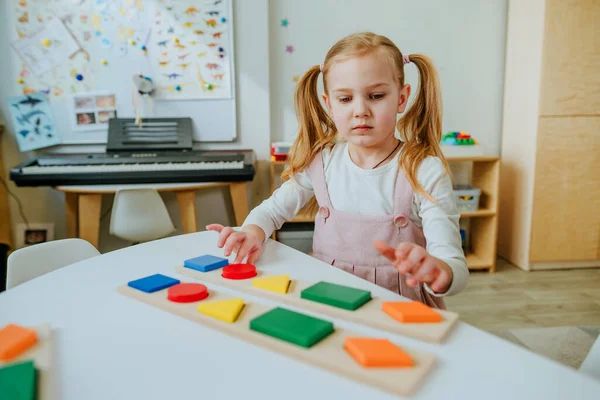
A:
(458, 139)
(280, 150)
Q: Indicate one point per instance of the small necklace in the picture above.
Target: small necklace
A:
(388, 156)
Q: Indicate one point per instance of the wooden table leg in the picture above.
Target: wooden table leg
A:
(240, 201)
(89, 217)
(187, 209)
(72, 203)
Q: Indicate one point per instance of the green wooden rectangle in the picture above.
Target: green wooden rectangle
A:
(18, 381)
(293, 327)
(336, 295)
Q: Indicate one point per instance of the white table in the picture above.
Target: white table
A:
(112, 347)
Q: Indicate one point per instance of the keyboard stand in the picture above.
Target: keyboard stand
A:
(84, 204)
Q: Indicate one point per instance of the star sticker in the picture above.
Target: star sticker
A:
(296, 78)
(289, 49)
(285, 23)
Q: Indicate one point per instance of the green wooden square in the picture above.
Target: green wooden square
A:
(17, 381)
(336, 295)
(293, 327)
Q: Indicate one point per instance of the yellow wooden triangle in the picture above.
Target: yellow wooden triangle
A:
(225, 310)
(277, 284)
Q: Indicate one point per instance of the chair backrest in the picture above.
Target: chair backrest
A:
(140, 215)
(30, 262)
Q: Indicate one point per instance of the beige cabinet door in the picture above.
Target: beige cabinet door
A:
(566, 198)
(571, 59)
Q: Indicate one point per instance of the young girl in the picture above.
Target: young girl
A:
(386, 206)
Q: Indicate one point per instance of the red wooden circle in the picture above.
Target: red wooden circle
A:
(187, 292)
(239, 271)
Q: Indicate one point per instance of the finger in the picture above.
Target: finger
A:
(426, 268)
(403, 250)
(254, 255)
(243, 250)
(385, 250)
(225, 232)
(215, 227)
(233, 242)
(412, 260)
(442, 282)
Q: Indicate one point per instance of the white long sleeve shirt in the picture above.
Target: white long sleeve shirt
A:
(372, 194)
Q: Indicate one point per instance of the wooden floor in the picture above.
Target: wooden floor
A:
(512, 298)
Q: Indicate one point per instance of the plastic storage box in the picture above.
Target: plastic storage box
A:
(466, 197)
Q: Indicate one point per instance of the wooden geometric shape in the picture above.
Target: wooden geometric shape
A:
(18, 381)
(187, 292)
(371, 352)
(14, 340)
(277, 284)
(239, 271)
(370, 314)
(225, 310)
(411, 312)
(300, 329)
(336, 295)
(153, 283)
(206, 263)
(329, 354)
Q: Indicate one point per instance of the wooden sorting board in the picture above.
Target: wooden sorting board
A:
(328, 354)
(369, 314)
(41, 355)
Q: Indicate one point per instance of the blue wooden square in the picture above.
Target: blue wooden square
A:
(206, 263)
(153, 283)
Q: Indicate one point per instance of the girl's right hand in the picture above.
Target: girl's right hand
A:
(243, 243)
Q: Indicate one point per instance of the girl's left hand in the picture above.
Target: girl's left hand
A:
(413, 259)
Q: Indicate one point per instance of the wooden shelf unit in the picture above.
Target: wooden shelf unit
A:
(481, 254)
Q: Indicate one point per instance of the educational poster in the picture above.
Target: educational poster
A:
(183, 45)
(33, 121)
(192, 43)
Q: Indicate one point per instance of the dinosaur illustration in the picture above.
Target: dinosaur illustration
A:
(217, 35)
(191, 11)
(173, 75)
(211, 22)
(212, 65)
(163, 43)
(183, 56)
(183, 66)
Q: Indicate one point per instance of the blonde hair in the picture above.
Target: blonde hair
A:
(420, 128)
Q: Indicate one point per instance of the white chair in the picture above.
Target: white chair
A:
(30, 262)
(140, 215)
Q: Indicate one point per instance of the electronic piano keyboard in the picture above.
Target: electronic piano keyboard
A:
(159, 151)
(164, 167)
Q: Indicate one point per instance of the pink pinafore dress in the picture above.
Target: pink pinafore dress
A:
(345, 240)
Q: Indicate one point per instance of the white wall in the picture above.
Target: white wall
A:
(252, 79)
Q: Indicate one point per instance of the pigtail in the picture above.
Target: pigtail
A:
(316, 129)
(421, 126)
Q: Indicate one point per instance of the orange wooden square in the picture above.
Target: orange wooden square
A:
(411, 311)
(14, 340)
(371, 352)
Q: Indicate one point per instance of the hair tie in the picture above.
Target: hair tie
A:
(321, 67)
(406, 59)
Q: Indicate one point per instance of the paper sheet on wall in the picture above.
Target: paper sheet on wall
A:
(33, 121)
(191, 50)
(48, 48)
